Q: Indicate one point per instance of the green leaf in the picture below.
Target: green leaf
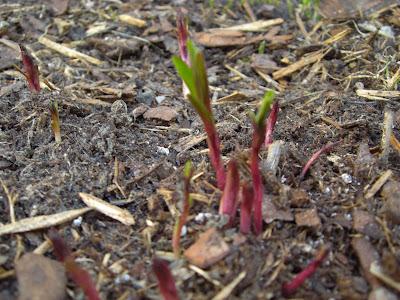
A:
(186, 73)
(187, 170)
(264, 108)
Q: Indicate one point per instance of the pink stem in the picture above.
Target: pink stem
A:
(245, 208)
(215, 154)
(314, 157)
(271, 121)
(166, 281)
(290, 288)
(228, 202)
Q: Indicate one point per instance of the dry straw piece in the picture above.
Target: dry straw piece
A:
(108, 209)
(40, 222)
(132, 21)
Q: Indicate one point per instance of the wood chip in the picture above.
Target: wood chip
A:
(308, 217)
(163, 113)
(391, 207)
(40, 222)
(68, 51)
(256, 26)
(132, 21)
(365, 223)
(366, 254)
(387, 129)
(378, 184)
(40, 278)
(304, 61)
(272, 213)
(112, 211)
(208, 249)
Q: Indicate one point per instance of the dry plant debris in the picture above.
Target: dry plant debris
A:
(128, 129)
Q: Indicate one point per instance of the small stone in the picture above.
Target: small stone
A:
(308, 217)
(139, 110)
(365, 223)
(162, 150)
(77, 222)
(347, 178)
(145, 96)
(298, 198)
(163, 113)
(40, 278)
(160, 99)
(208, 249)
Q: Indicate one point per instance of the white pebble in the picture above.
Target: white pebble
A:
(162, 150)
(160, 99)
(347, 178)
(184, 230)
(77, 222)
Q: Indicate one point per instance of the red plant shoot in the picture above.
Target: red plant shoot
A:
(31, 70)
(194, 75)
(328, 147)
(271, 121)
(74, 271)
(228, 204)
(258, 139)
(166, 282)
(187, 203)
(182, 35)
(291, 287)
(246, 208)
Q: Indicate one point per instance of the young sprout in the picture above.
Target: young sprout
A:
(258, 139)
(187, 203)
(271, 121)
(31, 70)
(246, 207)
(328, 147)
(182, 36)
(55, 121)
(77, 274)
(291, 287)
(195, 78)
(228, 204)
(166, 282)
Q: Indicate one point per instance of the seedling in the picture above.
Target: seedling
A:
(258, 139)
(291, 287)
(55, 121)
(328, 147)
(195, 78)
(166, 282)
(77, 274)
(31, 70)
(182, 36)
(246, 208)
(228, 204)
(187, 203)
(271, 121)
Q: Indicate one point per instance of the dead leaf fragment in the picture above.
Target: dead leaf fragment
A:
(208, 249)
(308, 217)
(263, 63)
(132, 21)
(40, 278)
(112, 211)
(271, 212)
(163, 113)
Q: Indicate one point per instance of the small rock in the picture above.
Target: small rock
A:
(160, 99)
(308, 217)
(208, 249)
(163, 113)
(270, 212)
(40, 278)
(381, 293)
(364, 161)
(347, 178)
(264, 63)
(365, 223)
(139, 110)
(391, 207)
(145, 96)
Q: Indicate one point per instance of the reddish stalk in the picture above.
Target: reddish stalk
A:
(80, 276)
(187, 203)
(228, 204)
(214, 153)
(182, 35)
(166, 282)
(31, 70)
(328, 147)
(271, 121)
(258, 139)
(291, 287)
(245, 208)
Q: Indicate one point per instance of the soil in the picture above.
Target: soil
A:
(116, 148)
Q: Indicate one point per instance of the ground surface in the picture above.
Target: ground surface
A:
(128, 155)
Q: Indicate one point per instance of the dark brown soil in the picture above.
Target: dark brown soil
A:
(151, 152)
